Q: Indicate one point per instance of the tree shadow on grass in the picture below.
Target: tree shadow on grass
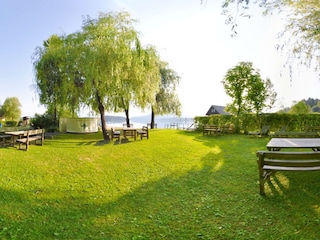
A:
(218, 200)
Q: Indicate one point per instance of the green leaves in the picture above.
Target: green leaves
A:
(103, 66)
(249, 92)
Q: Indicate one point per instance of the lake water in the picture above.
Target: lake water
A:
(162, 123)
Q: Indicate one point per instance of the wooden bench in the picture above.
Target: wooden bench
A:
(144, 132)
(4, 138)
(227, 129)
(270, 162)
(115, 134)
(209, 129)
(313, 129)
(263, 132)
(35, 135)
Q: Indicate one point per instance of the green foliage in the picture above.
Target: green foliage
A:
(300, 108)
(11, 123)
(301, 34)
(103, 66)
(11, 109)
(45, 121)
(172, 186)
(166, 99)
(248, 91)
(252, 122)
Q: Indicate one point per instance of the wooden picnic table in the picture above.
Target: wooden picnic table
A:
(15, 135)
(275, 144)
(130, 132)
(283, 134)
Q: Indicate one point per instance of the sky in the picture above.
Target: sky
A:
(190, 36)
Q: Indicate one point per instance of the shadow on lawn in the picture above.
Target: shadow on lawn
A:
(219, 200)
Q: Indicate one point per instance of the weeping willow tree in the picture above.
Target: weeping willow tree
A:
(140, 82)
(96, 65)
(166, 99)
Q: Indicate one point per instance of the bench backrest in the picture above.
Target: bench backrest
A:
(33, 132)
(265, 130)
(288, 159)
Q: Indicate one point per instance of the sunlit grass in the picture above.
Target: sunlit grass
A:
(176, 185)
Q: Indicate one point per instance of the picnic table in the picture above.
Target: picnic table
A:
(275, 144)
(130, 132)
(15, 135)
(275, 160)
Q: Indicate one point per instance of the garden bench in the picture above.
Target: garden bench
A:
(227, 129)
(4, 138)
(115, 134)
(313, 129)
(208, 129)
(35, 135)
(271, 161)
(263, 132)
(144, 132)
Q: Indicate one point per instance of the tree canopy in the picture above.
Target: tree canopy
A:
(249, 92)
(102, 66)
(301, 35)
(166, 99)
(11, 109)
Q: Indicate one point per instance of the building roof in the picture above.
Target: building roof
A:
(214, 109)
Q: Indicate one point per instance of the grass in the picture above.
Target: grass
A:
(176, 185)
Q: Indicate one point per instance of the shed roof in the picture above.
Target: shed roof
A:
(215, 109)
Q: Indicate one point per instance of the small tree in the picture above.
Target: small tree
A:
(250, 93)
(11, 109)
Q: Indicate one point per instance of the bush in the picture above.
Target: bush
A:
(45, 121)
(11, 123)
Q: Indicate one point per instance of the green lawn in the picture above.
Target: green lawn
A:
(176, 185)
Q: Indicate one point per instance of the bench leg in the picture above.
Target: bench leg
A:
(261, 184)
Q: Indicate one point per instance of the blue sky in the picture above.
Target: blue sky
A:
(191, 37)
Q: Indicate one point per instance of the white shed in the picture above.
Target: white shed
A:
(78, 125)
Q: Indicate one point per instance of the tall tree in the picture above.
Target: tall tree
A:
(140, 83)
(166, 100)
(301, 35)
(11, 109)
(97, 61)
(249, 92)
(49, 80)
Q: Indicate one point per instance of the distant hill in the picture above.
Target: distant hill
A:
(115, 119)
(314, 104)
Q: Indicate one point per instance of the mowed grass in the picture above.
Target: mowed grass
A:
(176, 185)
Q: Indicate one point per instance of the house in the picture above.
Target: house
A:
(214, 109)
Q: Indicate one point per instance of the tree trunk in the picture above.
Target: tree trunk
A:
(127, 117)
(55, 120)
(152, 119)
(103, 119)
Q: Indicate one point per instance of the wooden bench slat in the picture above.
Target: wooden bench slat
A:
(291, 163)
(283, 168)
(271, 161)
